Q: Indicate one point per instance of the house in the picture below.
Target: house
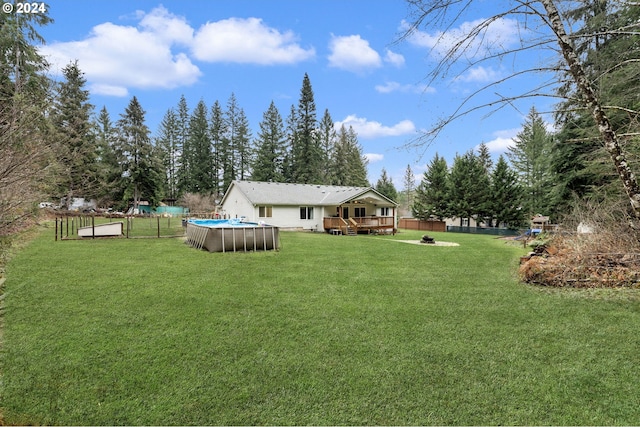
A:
(330, 208)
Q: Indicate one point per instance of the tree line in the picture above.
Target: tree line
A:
(199, 151)
(506, 194)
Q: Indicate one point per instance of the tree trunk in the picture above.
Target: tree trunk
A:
(610, 139)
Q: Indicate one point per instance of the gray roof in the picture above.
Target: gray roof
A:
(278, 193)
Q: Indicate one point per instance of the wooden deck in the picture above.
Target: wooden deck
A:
(352, 226)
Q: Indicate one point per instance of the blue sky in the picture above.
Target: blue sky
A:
(260, 50)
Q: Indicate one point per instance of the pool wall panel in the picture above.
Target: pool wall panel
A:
(234, 239)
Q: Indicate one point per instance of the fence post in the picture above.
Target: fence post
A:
(158, 226)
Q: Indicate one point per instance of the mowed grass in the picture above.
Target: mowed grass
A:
(329, 330)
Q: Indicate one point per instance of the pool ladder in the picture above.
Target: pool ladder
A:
(196, 235)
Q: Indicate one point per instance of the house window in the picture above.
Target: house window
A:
(265, 211)
(359, 212)
(384, 212)
(306, 212)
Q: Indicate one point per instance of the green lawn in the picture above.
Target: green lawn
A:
(329, 330)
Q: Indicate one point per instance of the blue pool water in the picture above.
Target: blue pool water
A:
(222, 223)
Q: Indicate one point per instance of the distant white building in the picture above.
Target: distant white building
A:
(80, 204)
(310, 207)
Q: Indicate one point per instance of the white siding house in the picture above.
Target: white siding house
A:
(309, 206)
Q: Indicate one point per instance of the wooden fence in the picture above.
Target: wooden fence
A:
(420, 224)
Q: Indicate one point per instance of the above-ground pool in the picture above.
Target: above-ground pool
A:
(231, 235)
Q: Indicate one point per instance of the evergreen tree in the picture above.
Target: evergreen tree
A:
(409, 185)
(506, 195)
(217, 132)
(229, 153)
(22, 68)
(183, 146)
(327, 141)
(167, 143)
(108, 160)
(290, 142)
(142, 168)
(245, 151)
(531, 158)
(484, 158)
(270, 150)
(385, 186)
(341, 174)
(357, 162)
(201, 170)
(350, 163)
(432, 197)
(306, 153)
(466, 187)
(74, 132)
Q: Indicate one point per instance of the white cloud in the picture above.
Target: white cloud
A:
(155, 52)
(352, 53)
(479, 75)
(247, 41)
(404, 88)
(166, 26)
(371, 129)
(502, 141)
(109, 90)
(115, 58)
(393, 58)
(499, 145)
(374, 157)
(500, 33)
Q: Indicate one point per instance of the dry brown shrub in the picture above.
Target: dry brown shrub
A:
(609, 256)
(198, 203)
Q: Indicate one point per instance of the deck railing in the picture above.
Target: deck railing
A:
(374, 221)
(361, 223)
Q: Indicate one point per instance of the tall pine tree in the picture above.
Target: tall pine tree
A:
(245, 151)
(506, 195)
(229, 146)
(350, 165)
(142, 169)
(432, 194)
(201, 168)
(327, 142)
(291, 133)
(109, 161)
(306, 152)
(217, 132)
(167, 143)
(183, 145)
(531, 158)
(270, 147)
(467, 196)
(77, 149)
(385, 186)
